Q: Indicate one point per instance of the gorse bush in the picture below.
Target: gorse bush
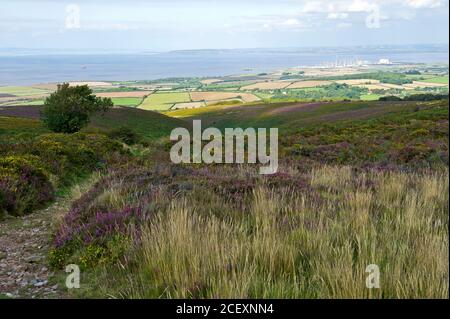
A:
(69, 108)
(31, 171)
(24, 184)
(69, 156)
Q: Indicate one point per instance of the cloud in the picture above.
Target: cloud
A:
(281, 23)
(109, 27)
(362, 6)
(337, 15)
(335, 7)
(417, 4)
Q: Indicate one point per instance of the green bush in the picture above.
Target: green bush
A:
(71, 155)
(24, 184)
(69, 108)
(126, 135)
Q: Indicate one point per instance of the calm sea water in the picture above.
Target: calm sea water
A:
(42, 67)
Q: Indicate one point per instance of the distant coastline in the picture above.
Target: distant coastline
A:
(26, 67)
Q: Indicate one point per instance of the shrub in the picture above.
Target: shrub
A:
(69, 108)
(68, 156)
(390, 98)
(24, 184)
(126, 135)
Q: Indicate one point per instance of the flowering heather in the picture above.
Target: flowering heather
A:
(97, 228)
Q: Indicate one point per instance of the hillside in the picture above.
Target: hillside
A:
(147, 123)
(292, 116)
(358, 183)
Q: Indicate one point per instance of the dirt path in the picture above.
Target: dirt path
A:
(24, 245)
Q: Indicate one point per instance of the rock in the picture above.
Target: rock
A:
(40, 283)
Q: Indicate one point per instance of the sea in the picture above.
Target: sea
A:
(31, 66)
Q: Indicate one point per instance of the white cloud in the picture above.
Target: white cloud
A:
(335, 6)
(417, 4)
(292, 24)
(337, 15)
(361, 6)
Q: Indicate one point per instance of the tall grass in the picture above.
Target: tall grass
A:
(289, 244)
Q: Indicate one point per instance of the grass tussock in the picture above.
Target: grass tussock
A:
(290, 244)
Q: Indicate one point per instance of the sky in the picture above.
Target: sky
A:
(164, 25)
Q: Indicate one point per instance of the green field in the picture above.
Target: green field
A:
(164, 101)
(370, 97)
(21, 90)
(126, 101)
(439, 79)
(32, 102)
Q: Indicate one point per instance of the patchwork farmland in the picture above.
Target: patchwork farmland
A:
(292, 85)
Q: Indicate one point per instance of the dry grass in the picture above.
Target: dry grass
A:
(188, 105)
(288, 244)
(308, 84)
(217, 96)
(418, 84)
(267, 85)
(91, 83)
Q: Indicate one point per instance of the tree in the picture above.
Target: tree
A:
(69, 108)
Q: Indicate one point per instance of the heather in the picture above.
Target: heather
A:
(358, 184)
(348, 194)
(414, 139)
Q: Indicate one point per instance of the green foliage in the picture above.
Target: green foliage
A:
(68, 109)
(426, 97)
(70, 156)
(126, 135)
(333, 91)
(390, 98)
(31, 170)
(383, 77)
(24, 184)
(416, 97)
